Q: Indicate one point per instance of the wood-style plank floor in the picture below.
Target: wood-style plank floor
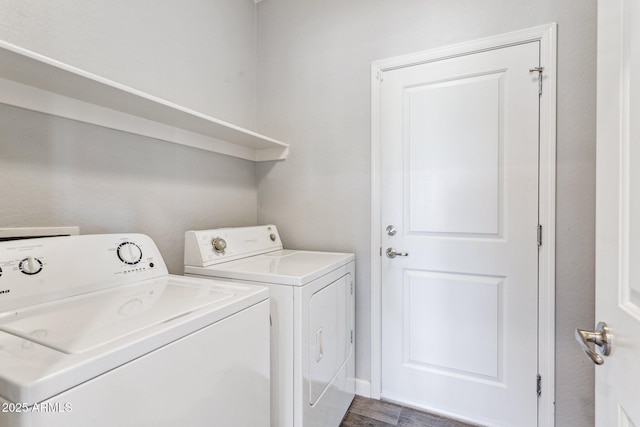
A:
(375, 413)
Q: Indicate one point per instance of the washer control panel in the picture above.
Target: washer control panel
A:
(44, 269)
(30, 265)
(208, 247)
(129, 253)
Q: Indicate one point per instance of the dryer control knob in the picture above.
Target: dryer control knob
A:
(129, 253)
(219, 245)
(30, 265)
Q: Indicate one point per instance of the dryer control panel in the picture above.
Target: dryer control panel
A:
(209, 247)
(45, 269)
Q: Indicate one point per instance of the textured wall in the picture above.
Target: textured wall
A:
(314, 92)
(198, 53)
(60, 172)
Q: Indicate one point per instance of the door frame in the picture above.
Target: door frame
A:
(546, 35)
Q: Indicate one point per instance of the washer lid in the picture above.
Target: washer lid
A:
(48, 348)
(285, 267)
(84, 322)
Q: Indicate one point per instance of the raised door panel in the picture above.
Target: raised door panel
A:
(453, 132)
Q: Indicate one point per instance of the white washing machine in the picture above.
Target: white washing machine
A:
(95, 332)
(312, 314)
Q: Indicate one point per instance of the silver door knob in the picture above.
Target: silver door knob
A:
(392, 253)
(600, 337)
(391, 230)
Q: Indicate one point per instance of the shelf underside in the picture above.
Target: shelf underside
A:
(33, 82)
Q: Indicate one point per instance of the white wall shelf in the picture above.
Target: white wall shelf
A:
(34, 82)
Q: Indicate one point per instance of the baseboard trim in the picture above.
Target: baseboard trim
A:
(363, 388)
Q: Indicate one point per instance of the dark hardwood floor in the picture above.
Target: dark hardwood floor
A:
(375, 413)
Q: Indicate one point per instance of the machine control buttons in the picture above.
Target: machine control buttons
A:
(30, 265)
(219, 245)
(129, 253)
(0, 271)
(272, 237)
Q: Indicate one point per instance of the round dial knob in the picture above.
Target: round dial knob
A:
(219, 244)
(129, 253)
(30, 265)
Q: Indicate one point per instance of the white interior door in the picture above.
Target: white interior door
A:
(459, 172)
(618, 211)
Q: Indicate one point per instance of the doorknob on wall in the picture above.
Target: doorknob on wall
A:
(600, 337)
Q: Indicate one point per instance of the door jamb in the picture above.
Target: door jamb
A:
(546, 35)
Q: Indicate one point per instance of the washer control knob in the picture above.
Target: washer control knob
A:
(129, 253)
(30, 265)
(219, 245)
(272, 237)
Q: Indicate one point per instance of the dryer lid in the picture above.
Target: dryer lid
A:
(284, 267)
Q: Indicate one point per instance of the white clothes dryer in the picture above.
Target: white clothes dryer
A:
(95, 332)
(312, 315)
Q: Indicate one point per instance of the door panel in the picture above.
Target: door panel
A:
(454, 179)
(618, 210)
(459, 160)
(467, 305)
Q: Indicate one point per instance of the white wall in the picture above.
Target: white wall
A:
(313, 92)
(197, 53)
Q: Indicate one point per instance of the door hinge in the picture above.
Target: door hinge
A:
(351, 286)
(539, 385)
(539, 235)
(538, 70)
(352, 336)
(379, 76)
